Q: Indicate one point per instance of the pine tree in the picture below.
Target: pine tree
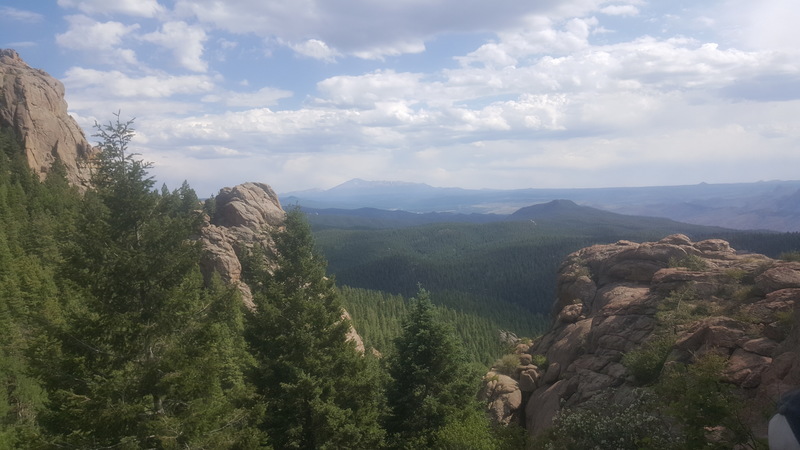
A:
(319, 391)
(147, 356)
(430, 394)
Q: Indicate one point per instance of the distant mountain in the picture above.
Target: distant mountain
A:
(558, 209)
(765, 205)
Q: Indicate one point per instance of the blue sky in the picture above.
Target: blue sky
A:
(505, 94)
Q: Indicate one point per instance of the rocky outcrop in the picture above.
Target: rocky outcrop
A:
(743, 307)
(32, 103)
(244, 218)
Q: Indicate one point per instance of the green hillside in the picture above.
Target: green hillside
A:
(508, 262)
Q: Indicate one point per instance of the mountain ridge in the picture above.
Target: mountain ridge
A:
(770, 205)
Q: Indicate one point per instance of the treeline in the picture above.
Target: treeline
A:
(504, 262)
(378, 318)
(110, 337)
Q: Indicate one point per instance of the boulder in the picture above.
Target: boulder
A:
(744, 368)
(782, 275)
(712, 334)
(529, 379)
(502, 396)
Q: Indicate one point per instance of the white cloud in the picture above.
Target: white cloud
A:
(185, 42)
(262, 98)
(767, 24)
(365, 90)
(116, 84)
(620, 10)
(139, 8)
(316, 49)
(539, 36)
(85, 33)
(20, 15)
(543, 96)
(369, 30)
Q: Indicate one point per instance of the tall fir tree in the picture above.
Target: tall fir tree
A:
(147, 356)
(431, 391)
(319, 391)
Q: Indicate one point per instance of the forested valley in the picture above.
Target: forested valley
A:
(112, 338)
(485, 277)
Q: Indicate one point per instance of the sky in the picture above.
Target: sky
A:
(499, 94)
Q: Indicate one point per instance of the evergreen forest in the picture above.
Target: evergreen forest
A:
(484, 277)
(112, 338)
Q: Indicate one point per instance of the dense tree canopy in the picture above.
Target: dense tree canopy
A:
(319, 391)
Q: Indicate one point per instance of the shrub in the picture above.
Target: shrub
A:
(540, 361)
(507, 364)
(607, 422)
(676, 308)
(790, 256)
(699, 400)
(646, 362)
(691, 262)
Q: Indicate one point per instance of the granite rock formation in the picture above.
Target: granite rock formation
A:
(745, 307)
(245, 217)
(32, 103)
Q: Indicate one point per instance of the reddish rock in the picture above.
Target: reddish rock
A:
(761, 346)
(570, 313)
(608, 302)
(744, 368)
(32, 103)
(529, 379)
(714, 246)
(502, 396)
(712, 333)
(782, 275)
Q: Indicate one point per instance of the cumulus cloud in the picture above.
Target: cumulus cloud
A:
(542, 95)
(369, 30)
(185, 42)
(85, 33)
(139, 8)
(539, 36)
(114, 84)
(316, 49)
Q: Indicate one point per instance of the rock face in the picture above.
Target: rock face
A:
(32, 103)
(245, 217)
(743, 307)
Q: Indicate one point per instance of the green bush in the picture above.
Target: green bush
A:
(691, 262)
(790, 256)
(646, 362)
(605, 422)
(540, 361)
(507, 364)
(699, 400)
